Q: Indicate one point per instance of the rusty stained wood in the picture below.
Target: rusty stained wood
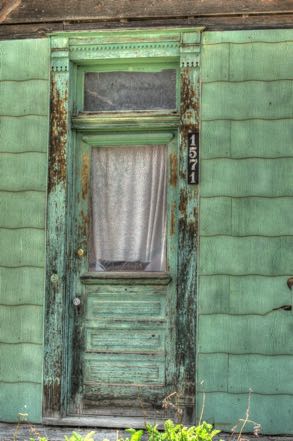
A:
(36, 11)
(187, 235)
(56, 232)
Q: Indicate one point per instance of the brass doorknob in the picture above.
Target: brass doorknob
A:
(80, 252)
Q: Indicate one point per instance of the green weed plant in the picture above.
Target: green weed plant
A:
(171, 432)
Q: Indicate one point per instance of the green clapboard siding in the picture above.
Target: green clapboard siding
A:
(25, 327)
(246, 231)
(242, 294)
(22, 209)
(248, 100)
(26, 368)
(273, 412)
(255, 62)
(24, 171)
(25, 134)
(213, 369)
(250, 138)
(24, 117)
(23, 247)
(251, 369)
(255, 334)
(16, 285)
(20, 398)
(246, 216)
(247, 255)
(247, 177)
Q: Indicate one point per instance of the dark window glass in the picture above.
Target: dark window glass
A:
(111, 91)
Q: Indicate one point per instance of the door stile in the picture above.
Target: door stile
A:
(55, 313)
(187, 229)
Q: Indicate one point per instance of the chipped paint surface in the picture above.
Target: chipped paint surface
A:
(173, 219)
(58, 137)
(187, 244)
(57, 263)
(173, 169)
(85, 175)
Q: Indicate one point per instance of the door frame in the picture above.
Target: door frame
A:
(69, 50)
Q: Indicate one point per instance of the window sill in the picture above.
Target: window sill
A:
(126, 278)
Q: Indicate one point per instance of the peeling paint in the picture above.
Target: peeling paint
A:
(173, 169)
(85, 175)
(58, 138)
(173, 219)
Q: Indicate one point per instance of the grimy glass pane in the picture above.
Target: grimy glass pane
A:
(110, 91)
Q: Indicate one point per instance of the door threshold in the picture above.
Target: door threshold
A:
(109, 422)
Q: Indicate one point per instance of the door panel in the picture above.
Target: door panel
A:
(123, 352)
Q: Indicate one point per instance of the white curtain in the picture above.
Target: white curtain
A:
(128, 210)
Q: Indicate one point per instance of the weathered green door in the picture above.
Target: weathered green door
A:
(123, 312)
(121, 285)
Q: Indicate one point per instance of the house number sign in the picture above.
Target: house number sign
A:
(193, 163)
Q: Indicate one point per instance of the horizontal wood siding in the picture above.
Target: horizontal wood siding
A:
(246, 230)
(38, 18)
(36, 10)
(24, 109)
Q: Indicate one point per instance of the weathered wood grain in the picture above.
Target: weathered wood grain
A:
(210, 22)
(146, 341)
(26, 134)
(23, 172)
(23, 247)
(247, 177)
(251, 368)
(17, 325)
(246, 334)
(247, 100)
(250, 61)
(246, 255)
(22, 286)
(249, 36)
(250, 138)
(115, 368)
(22, 210)
(27, 367)
(246, 216)
(242, 294)
(105, 10)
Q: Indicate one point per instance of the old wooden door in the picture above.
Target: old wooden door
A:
(128, 338)
(123, 314)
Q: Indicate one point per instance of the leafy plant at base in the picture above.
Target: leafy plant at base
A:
(175, 432)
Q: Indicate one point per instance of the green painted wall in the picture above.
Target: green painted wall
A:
(246, 228)
(24, 110)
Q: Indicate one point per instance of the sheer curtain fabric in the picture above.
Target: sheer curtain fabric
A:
(128, 208)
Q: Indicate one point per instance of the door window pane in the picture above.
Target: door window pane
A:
(128, 209)
(112, 91)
